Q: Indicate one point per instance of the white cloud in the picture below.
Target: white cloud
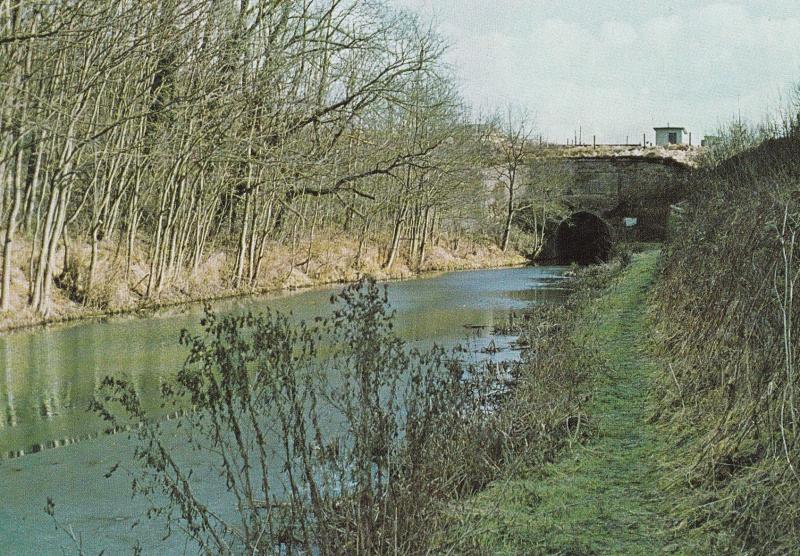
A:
(618, 33)
(618, 67)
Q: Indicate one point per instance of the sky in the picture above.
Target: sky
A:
(617, 68)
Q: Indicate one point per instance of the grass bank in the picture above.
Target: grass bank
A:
(602, 495)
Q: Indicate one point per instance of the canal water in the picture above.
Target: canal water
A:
(51, 445)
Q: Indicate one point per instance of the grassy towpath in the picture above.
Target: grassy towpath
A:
(602, 497)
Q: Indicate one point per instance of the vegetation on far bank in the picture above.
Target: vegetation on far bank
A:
(154, 152)
(330, 261)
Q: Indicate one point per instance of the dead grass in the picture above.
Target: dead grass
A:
(332, 260)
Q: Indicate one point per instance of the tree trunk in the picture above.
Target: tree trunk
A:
(11, 224)
(241, 254)
(507, 231)
(395, 243)
(423, 242)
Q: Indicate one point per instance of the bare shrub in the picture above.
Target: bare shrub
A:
(331, 437)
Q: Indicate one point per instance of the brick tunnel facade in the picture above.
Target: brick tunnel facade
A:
(611, 199)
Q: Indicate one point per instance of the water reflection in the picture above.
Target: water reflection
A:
(48, 377)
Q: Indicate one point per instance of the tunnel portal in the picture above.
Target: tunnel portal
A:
(583, 238)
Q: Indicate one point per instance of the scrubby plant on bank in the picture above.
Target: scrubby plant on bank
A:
(334, 436)
(330, 436)
(726, 317)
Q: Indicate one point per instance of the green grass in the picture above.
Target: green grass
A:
(602, 497)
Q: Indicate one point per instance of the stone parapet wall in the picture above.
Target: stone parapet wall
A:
(616, 188)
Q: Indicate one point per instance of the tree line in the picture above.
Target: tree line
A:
(168, 130)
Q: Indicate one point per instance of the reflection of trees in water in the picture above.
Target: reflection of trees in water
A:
(54, 373)
(48, 393)
(7, 395)
(48, 377)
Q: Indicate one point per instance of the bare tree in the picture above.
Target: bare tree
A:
(137, 138)
(513, 145)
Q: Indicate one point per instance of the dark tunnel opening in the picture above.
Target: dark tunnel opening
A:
(583, 238)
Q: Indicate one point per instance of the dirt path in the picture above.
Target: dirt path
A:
(602, 497)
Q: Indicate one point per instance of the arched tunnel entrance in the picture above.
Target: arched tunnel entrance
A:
(583, 238)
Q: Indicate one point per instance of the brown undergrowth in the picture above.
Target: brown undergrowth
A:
(329, 260)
